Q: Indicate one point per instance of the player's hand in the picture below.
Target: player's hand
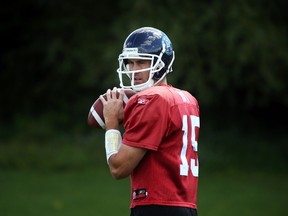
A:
(113, 108)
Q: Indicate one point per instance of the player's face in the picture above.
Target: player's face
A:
(140, 64)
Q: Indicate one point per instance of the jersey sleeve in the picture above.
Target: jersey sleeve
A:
(145, 121)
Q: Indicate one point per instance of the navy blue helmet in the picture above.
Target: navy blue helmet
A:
(146, 43)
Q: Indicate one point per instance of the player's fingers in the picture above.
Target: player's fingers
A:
(102, 99)
(108, 94)
(121, 95)
(114, 93)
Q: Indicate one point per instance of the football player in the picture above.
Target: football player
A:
(158, 148)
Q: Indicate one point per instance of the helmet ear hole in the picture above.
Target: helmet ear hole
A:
(160, 69)
(156, 76)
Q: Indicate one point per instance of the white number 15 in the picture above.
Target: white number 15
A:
(194, 165)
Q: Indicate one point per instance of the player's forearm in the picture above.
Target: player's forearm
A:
(118, 168)
(125, 160)
(111, 124)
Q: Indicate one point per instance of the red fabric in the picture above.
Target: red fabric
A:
(153, 119)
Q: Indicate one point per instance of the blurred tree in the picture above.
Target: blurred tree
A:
(54, 58)
(57, 57)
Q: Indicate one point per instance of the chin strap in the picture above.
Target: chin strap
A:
(113, 140)
(148, 84)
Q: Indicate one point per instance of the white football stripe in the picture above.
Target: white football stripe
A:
(125, 99)
(97, 117)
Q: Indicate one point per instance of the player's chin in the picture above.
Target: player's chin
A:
(138, 81)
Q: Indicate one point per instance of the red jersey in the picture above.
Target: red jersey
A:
(164, 120)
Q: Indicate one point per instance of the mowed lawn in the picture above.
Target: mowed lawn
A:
(68, 193)
(95, 192)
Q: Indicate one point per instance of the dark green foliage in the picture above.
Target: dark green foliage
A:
(59, 56)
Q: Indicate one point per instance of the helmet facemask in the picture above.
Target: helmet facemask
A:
(146, 43)
(126, 76)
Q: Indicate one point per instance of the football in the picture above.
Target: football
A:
(95, 116)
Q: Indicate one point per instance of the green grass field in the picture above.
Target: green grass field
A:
(88, 192)
(68, 175)
(69, 193)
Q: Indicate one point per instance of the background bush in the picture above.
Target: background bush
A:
(57, 57)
